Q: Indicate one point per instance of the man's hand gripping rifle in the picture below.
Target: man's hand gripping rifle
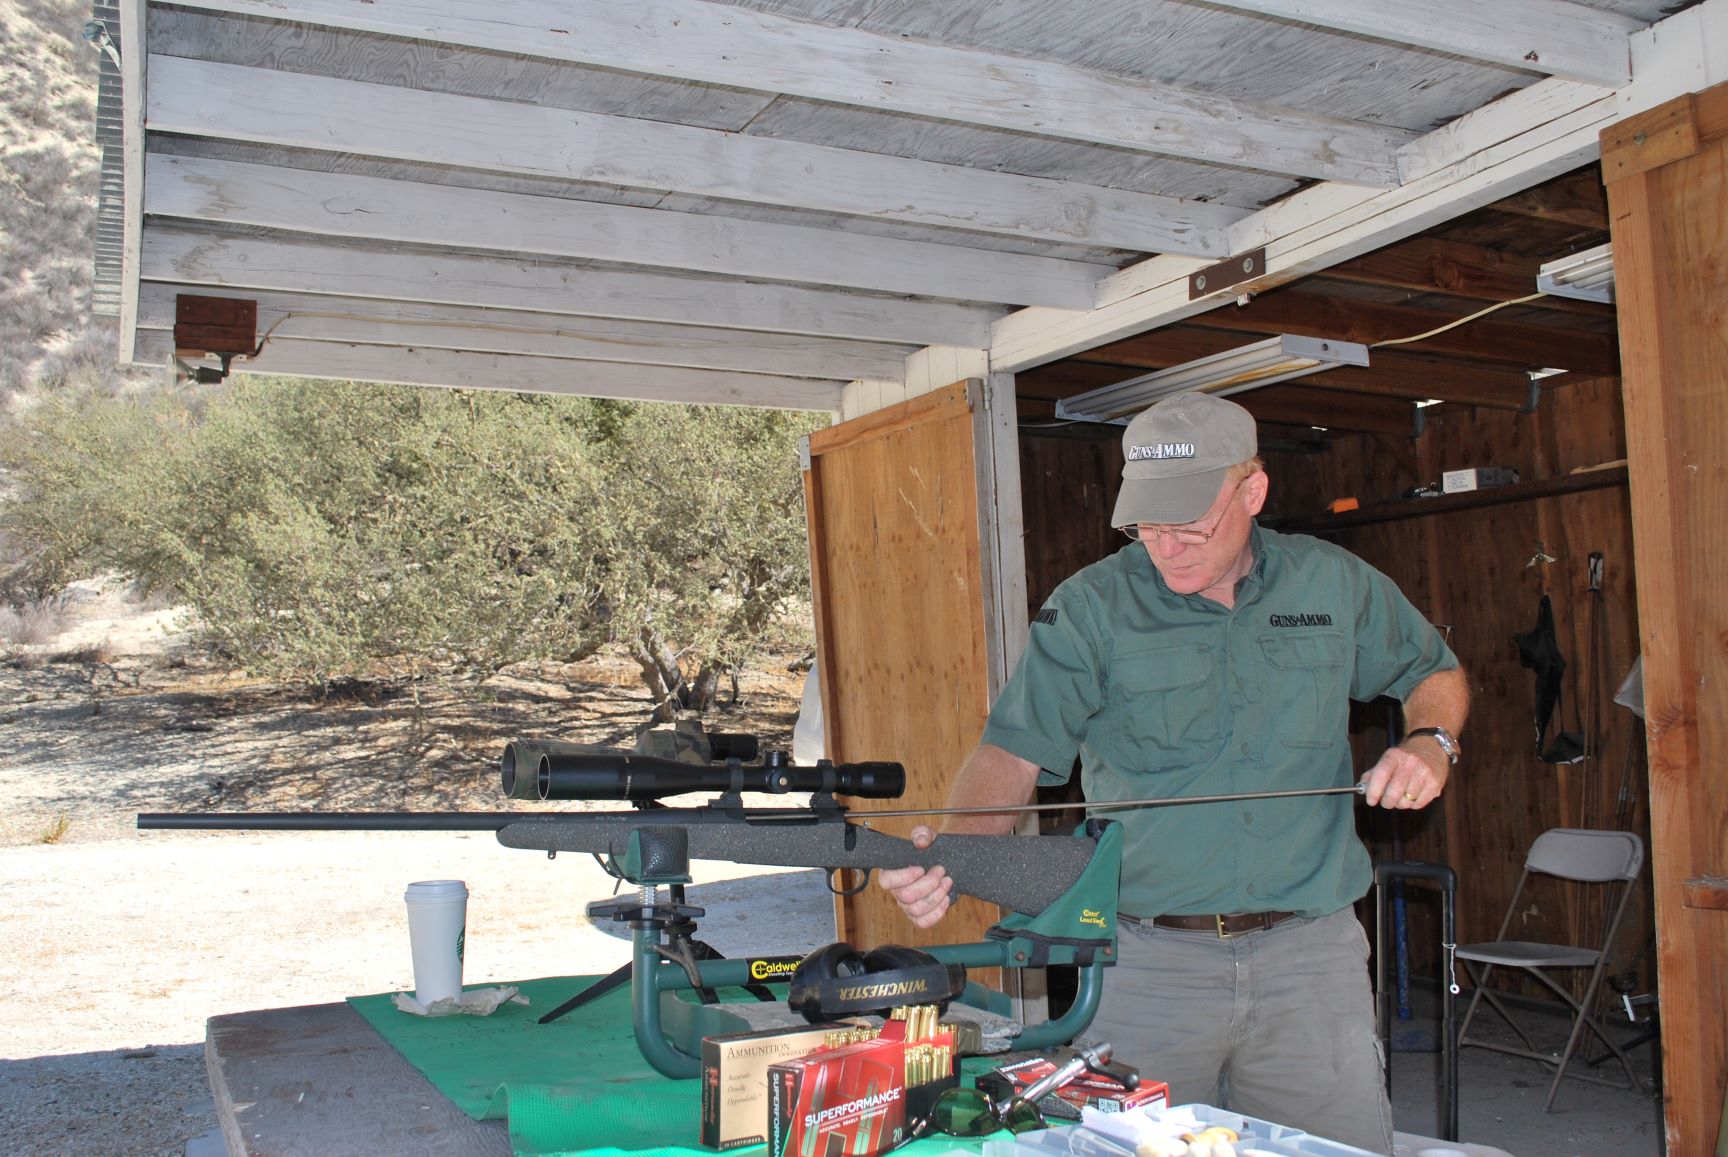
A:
(1061, 891)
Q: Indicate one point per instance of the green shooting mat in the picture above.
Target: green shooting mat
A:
(577, 1085)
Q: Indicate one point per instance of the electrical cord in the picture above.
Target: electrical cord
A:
(1455, 324)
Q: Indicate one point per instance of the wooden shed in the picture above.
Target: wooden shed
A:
(940, 221)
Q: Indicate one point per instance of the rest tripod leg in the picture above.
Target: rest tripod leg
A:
(617, 978)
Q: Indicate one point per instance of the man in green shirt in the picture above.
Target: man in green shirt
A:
(1211, 656)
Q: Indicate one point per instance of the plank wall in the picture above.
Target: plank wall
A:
(1469, 569)
(1482, 572)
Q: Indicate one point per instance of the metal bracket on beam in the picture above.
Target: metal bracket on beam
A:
(1231, 271)
(1535, 398)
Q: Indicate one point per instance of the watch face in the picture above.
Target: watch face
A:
(1444, 738)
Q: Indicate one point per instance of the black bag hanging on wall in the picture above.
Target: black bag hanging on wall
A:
(1539, 650)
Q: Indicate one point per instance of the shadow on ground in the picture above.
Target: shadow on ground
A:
(96, 742)
(134, 1102)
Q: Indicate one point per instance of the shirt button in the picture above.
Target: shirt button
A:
(1248, 817)
(1240, 682)
(1244, 749)
(1251, 891)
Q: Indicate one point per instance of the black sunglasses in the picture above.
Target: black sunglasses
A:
(963, 1112)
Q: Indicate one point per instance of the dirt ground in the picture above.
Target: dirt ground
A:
(122, 943)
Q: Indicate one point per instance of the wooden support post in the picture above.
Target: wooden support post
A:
(1667, 173)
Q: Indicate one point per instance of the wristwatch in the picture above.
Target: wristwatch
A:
(1443, 737)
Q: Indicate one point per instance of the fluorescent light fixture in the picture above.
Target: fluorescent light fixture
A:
(1277, 359)
(1587, 276)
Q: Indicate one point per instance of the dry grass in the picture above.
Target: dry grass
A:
(50, 173)
(31, 623)
(56, 829)
(100, 654)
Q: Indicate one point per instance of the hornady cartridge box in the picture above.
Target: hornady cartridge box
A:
(735, 1079)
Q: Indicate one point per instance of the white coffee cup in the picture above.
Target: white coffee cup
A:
(437, 924)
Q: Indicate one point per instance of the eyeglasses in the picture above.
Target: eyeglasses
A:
(962, 1112)
(1187, 534)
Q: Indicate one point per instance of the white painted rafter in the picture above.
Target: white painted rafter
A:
(335, 267)
(537, 375)
(314, 317)
(380, 209)
(1502, 148)
(232, 102)
(133, 100)
(1522, 140)
(1555, 37)
(739, 47)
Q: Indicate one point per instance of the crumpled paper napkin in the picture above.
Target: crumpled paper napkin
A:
(474, 1002)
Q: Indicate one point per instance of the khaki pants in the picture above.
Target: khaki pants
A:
(1276, 1024)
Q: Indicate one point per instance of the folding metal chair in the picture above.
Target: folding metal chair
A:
(1613, 859)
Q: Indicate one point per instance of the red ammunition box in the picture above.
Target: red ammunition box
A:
(849, 1101)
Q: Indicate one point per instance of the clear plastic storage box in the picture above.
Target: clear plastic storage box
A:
(1119, 1134)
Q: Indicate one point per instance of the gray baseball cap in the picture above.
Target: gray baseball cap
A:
(1176, 455)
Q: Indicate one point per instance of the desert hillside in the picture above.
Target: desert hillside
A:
(49, 168)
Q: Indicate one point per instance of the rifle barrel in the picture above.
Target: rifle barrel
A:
(332, 821)
(476, 821)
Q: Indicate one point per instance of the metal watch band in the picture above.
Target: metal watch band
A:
(1441, 736)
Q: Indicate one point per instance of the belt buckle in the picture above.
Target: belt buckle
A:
(1223, 932)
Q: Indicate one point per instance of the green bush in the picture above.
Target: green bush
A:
(325, 529)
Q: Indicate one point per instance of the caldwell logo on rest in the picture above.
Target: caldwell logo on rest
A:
(770, 969)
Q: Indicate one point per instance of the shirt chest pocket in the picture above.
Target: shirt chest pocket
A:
(1308, 676)
(1162, 707)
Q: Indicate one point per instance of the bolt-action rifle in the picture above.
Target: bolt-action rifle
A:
(653, 844)
(1060, 890)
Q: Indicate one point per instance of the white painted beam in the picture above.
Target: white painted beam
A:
(1555, 37)
(1504, 148)
(231, 102)
(313, 317)
(374, 208)
(557, 288)
(764, 52)
(1688, 52)
(132, 144)
(152, 347)
(483, 371)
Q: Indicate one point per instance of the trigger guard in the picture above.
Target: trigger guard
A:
(863, 883)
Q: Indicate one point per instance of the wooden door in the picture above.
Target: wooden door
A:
(905, 601)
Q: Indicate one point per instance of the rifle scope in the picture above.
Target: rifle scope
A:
(571, 775)
(521, 762)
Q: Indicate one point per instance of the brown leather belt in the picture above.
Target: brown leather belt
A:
(1234, 924)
